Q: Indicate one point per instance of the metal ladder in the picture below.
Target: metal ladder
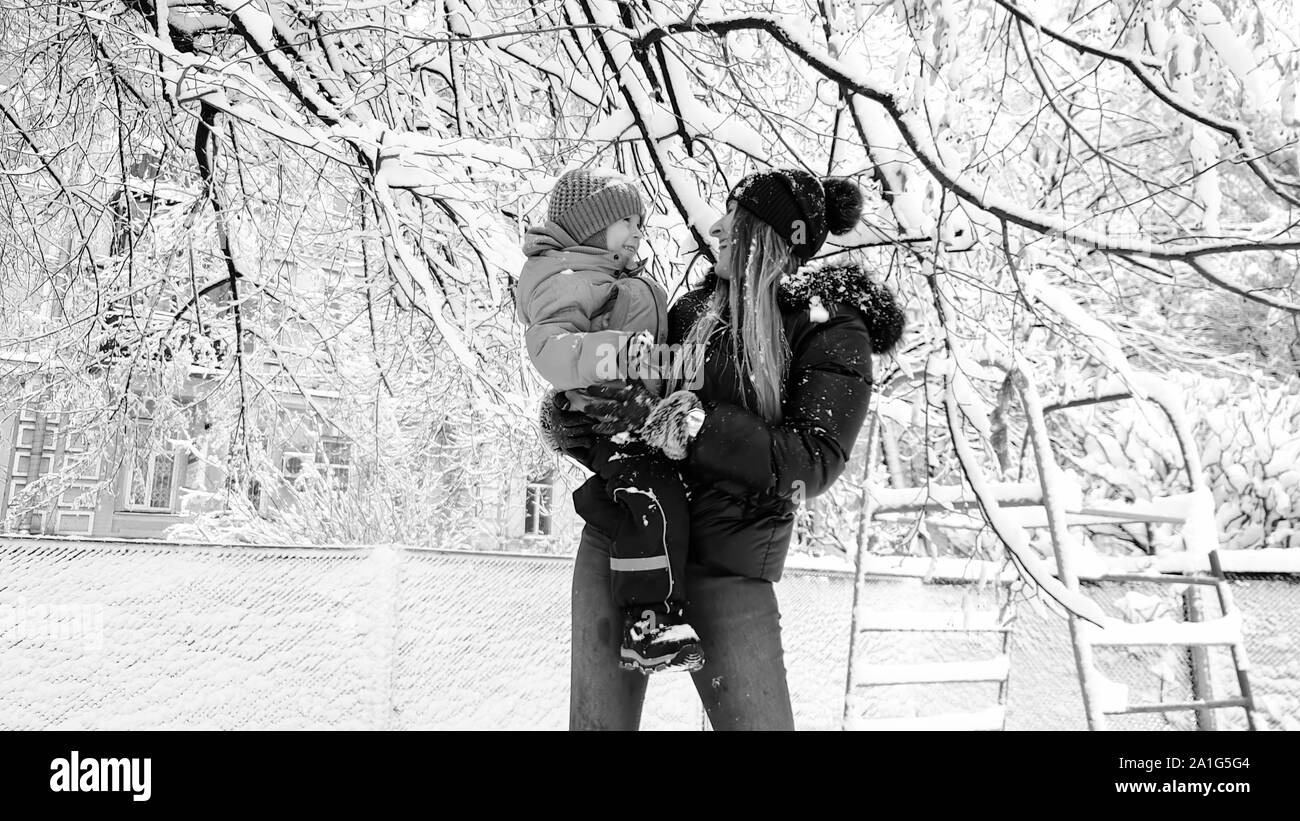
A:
(1037, 505)
(994, 624)
(1198, 635)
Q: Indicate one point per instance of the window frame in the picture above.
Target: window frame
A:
(539, 524)
(327, 469)
(150, 477)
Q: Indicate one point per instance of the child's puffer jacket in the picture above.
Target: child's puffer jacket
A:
(579, 309)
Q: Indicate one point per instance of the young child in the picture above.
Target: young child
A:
(591, 318)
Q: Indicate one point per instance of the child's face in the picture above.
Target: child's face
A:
(623, 239)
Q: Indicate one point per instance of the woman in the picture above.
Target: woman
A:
(780, 363)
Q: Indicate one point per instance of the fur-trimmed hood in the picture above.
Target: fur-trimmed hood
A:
(814, 289)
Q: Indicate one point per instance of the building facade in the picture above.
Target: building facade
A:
(129, 490)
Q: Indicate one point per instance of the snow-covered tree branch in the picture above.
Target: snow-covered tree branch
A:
(1102, 190)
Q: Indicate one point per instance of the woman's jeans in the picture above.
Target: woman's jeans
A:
(742, 684)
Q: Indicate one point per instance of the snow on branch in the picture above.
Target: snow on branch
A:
(1007, 529)
(652, 119)
(468, 28)
(1099, 340)
(1146, 70)
(272, 45)
(979, 192)
(412, 273)
(436, 166)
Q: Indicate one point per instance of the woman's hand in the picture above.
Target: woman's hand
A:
(661, 423)
(567, 431)
(618, 409)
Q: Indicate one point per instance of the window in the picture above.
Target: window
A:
(331, 461)
(75, 511)
(152, 480)
(74, 522)
(37, 440)
(538, 498)
(34, 522)
(338, 461)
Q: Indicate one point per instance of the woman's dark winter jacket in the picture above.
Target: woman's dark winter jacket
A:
(745, 476)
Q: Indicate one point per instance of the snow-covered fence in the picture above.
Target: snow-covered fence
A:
(108, 635)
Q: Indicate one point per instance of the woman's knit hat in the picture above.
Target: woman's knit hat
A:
(799, 207)
(586, 200)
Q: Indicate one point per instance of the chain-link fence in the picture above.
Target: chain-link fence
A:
(112, 635)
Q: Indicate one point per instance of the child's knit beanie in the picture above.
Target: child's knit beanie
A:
(586, 200)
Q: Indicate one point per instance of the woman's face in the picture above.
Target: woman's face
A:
(721, 230)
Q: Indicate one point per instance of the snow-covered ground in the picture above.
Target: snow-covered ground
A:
(114, 635)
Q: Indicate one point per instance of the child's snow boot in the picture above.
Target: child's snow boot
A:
(657, 639)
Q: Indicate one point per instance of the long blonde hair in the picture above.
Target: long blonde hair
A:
(747, 306)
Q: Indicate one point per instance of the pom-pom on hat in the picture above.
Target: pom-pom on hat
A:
(801, 208)
(586, 200)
